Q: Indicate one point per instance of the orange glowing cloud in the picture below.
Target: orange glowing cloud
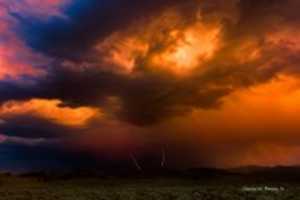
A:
(192, 47)
(123, 52)
(178, 47)
(50, 110)
(247, 50)
(285, 37)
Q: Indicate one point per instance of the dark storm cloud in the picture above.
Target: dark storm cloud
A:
(150, 100)
(12, 90)
(144, 100)
(33, 127)
(147, 98)
(88, 22)
(257, 14)
(256, 18)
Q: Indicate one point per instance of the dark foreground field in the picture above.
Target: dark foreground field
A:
(227, 187)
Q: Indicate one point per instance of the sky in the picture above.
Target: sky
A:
(98, 83)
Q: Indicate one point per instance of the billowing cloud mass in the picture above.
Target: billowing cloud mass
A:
(213, 83)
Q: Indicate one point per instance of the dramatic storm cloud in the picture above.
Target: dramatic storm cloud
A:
(99, 81)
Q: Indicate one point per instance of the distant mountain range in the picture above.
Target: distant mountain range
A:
(256, 173)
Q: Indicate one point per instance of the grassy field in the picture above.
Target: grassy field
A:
(20, 188)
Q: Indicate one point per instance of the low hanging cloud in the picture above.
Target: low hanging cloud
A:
(50, 110)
